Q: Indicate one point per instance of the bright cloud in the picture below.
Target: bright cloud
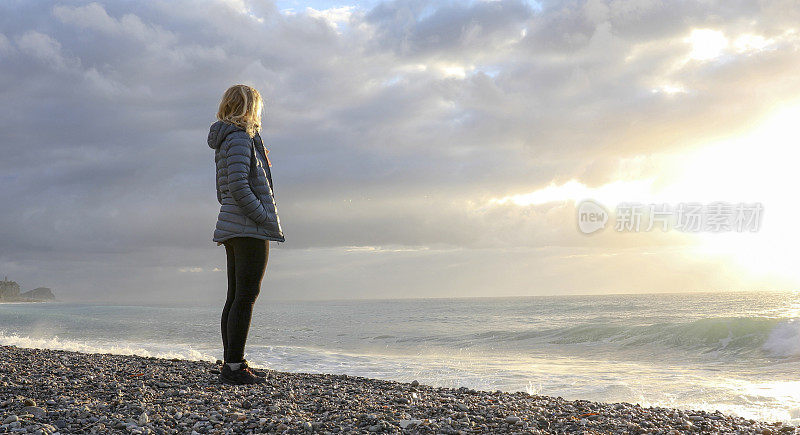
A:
(706, 44)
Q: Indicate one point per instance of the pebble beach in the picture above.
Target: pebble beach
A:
(62, 392)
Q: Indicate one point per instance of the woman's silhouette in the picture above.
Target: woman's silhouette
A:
(248, 219)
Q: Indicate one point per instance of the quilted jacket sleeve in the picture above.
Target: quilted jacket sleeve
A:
(237, 153)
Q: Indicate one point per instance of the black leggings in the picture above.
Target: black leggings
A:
(247, 261)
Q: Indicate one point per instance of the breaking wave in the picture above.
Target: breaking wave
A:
(762, 336)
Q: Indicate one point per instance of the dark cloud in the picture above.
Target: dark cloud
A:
(447, 30)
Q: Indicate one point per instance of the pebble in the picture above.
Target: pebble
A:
(92, 393)
(411, 422)
(35, 411)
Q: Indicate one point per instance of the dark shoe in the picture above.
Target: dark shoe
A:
(243, 376)
(257, 372)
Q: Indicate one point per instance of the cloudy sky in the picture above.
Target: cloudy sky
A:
(419, 148)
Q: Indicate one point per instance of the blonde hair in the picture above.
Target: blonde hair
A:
(241, 105)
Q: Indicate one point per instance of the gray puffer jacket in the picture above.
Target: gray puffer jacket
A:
(244, 185)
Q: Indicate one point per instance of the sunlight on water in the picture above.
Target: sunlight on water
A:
(783, 392)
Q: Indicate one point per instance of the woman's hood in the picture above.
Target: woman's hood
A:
(218, 131)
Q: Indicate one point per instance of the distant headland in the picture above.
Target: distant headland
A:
(10, 292)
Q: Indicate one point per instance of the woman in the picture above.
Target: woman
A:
(248, 220)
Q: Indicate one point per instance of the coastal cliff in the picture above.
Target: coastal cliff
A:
(40, 294)
(10, 292)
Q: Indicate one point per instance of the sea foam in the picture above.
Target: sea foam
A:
(142, 349)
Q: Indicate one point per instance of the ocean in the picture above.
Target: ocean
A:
(738, 353)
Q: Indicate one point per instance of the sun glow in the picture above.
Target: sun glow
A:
(758, 167)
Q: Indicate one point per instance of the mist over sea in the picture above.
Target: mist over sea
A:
(734, 352)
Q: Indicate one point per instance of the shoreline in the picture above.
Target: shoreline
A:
(27, 301)
(57, 391)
